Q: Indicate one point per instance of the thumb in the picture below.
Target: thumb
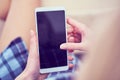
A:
(31, 71)
(33, 58)
(72, 46)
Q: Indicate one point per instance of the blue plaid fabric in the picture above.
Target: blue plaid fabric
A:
(14, 58)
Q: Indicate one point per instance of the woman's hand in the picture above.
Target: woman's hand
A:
(78, 35)
(31, 71)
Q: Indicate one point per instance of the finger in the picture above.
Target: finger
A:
(72, 46)
(70, 51)
(73, 23)
(42, 77)
(71, 65)
(77, 38)
(70, 58)
(71, 39)
(33, 58)
(79, 27)
(69, 29)
(68, 35)
(32, 68)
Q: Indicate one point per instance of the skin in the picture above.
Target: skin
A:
(4, 8)
(78, 35)
(19, 22)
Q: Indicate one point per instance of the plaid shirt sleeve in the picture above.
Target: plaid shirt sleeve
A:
(13, 60)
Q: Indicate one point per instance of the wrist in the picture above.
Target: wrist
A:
(23, 76)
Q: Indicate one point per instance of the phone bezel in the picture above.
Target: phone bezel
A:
(43, 9)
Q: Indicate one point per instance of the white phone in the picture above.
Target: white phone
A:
(51, 30)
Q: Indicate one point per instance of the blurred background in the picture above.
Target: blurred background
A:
(90, 12)
(85, 11)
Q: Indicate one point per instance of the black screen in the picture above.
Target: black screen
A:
(51, 33)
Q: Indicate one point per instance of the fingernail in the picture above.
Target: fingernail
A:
(62, 46)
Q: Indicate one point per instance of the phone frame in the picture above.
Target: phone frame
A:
(43, 9)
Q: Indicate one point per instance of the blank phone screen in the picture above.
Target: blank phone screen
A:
(51, 33)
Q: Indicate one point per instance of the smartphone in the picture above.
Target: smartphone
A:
(51, 30)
